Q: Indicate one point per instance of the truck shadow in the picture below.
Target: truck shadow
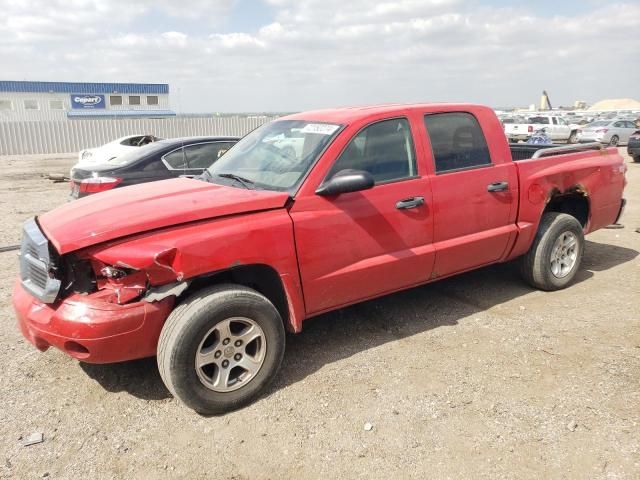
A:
(346, 332)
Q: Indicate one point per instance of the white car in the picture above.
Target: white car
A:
(108, 151)
(555, 127)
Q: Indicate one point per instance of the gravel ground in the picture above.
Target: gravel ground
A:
(476, 376)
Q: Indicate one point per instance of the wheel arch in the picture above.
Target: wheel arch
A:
(262, 278)
(574, 201)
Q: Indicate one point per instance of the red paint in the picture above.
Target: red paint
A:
(327, 251)
(110, 332)
(117, 213)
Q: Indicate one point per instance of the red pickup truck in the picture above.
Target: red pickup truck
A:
(304, 215)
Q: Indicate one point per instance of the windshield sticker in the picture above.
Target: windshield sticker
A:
(320, 128)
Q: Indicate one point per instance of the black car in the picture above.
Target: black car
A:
(176, 157)
(633, 146)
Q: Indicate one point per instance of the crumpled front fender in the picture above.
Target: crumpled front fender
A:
(161, 264)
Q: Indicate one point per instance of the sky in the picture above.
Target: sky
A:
(293, 55)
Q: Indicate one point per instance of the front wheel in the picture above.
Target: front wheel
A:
(555, 255)
(220, 348)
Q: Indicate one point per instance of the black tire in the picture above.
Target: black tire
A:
(189, 324)
(573, 138)
(636, 158)
(614, 141)
(535, 265)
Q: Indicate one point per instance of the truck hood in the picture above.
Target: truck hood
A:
(140, 208)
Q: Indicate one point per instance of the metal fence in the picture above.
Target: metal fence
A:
(68, 136)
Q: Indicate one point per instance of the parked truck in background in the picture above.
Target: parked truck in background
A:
(555, 127)
(207, 273)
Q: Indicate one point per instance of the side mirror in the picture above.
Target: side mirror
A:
(346, 181)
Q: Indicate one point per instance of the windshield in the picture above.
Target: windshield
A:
(275, 156)
(136, 154)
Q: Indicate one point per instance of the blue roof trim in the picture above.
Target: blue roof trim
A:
(121, 113)
(79, 87)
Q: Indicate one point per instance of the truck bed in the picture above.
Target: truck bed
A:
(525, 151)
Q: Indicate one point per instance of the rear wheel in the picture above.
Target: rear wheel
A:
(573, 138)
(636, 158)
(614, 141)
(221, 348)
(555, 255)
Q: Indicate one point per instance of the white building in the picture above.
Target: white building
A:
(21, 100)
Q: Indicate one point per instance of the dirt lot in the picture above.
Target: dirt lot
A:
(477, 376)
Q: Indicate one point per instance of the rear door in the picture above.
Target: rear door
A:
(362, 244)
(559, 131)
(564, 129)
(474, 193)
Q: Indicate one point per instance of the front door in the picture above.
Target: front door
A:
(475, 195)
(362, 244)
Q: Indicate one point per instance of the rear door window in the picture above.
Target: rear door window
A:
(457, 141)
(203, 155)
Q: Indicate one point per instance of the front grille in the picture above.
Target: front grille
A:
(35, 264)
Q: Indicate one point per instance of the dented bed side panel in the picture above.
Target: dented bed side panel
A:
(181, 253)
(598, 176)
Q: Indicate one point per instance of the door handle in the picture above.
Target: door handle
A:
(412, 202)
(498, 187)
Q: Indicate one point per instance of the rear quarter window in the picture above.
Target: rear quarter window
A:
(176, 160)
(539, 120)
(204, 154)
(457, 141)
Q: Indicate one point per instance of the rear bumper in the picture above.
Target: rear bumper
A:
(90, 329)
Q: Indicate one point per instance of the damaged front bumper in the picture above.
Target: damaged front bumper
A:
(91, 329)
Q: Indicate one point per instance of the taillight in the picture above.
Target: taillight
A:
(98, 184)
(530, 129)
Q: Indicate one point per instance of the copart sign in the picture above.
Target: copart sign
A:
(83, 101)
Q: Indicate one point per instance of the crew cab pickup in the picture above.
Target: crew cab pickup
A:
(554, 125)
(207, 273)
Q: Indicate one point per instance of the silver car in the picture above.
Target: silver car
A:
(611, 132)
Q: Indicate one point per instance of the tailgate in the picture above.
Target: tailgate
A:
(517, 128)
